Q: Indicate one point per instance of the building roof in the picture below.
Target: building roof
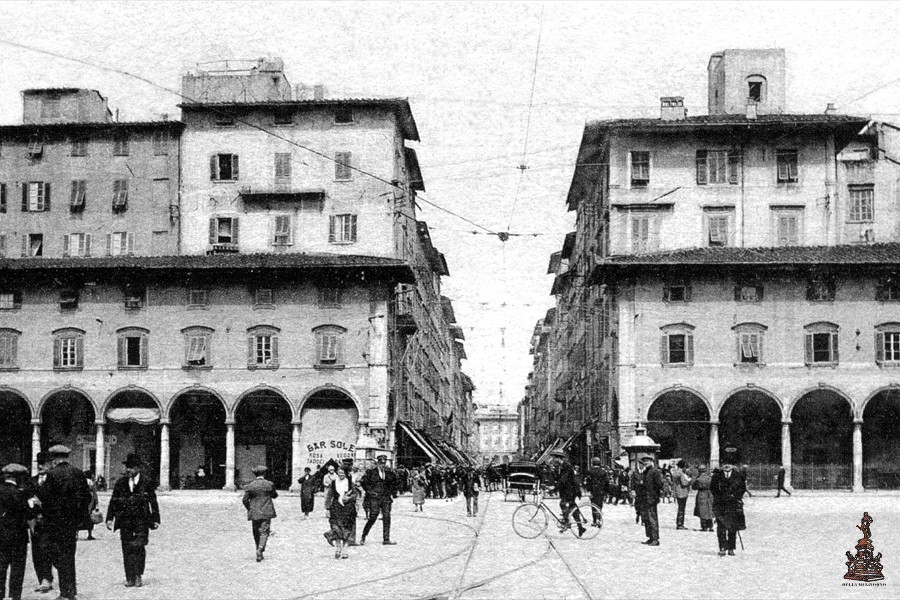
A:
(90, 125)
(728, 121)
(399, 105)
(848, 255)
(215, 262)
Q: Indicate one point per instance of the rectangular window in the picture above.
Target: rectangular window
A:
(79, 195)
(160, 143)
(754, 91)
(888, 290)
(342, 229)
(68, 300)
(717, 163)
(640, 169)
(79, 146)
(120, 243)
(342, 164)
(50, 108)
(224, 119)
(135, 296)
(77, 244)
(788, 226)
(862, 204)
(283, 117)
(891, 346)
(750, 347)
(8, 351)
(718, 166)
(223, 230)
(120, 194)
(786, 162)
(35, 196)
(822, 347)
(677, 348)
(223, 167)
(263, 297)
(717, 225)
(120, 145)
(68, 353)
(282, 167)
(197, 350)
(198, 298)
(33, 244)
(282, 235)
(748, 293)
(36, 147)
(2, 198)
(680, 292)
(640, 233)
(343, 115)
(263, 353)
(330, 297)
(328, 343)
(820, 289)
(131, 349)
(10, 300)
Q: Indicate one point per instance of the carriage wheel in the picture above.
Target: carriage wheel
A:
(590, 518)
(529, 521)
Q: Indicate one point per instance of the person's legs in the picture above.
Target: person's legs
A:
(18, 557)
(386, 518)
(682, 504)
(264, 528)
(475, 504)
(653, 525)
(373, 516)
(722, 535)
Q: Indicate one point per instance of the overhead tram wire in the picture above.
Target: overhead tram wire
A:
(243, 122)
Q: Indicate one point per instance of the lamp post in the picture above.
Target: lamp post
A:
(639, 446)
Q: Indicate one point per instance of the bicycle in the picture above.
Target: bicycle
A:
(531, 520)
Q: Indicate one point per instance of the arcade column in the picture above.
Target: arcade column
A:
(229, 456)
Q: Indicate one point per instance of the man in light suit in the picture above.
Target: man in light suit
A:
(133, 511)
(258, 496)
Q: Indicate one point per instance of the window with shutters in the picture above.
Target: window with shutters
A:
(223, 167)
(10, 300)
(35, 196)
(32, 244)
(9, 349)
(749, 338)
(68, 299)
(330, 297)
(748, 291)
(79, 195)
(677, 345)
(640, 169)
(160, 143)
(329, 345)
(77, 244)
(223, 230)
(79, 146)
(642, 233)
(786, 164)
(197, 341)
(120, 195)
(263, 297)
(342, 229)
(788, 227)
(888, 289)
(133, 348)
(2, 198)
(282, 231)
(342, 164)
(262, 347)
(821, 344)
(282, 169)
(36, 147)
(862, 204)
(120, 145)
(887, 344)
(820, 288)
(343, 115)
(718, 167)
(120, 243)
(198, 298)
(717, 225)
(134, 296)
(68, 349)
(677, 291)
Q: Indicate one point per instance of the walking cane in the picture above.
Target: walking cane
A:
(742, 540)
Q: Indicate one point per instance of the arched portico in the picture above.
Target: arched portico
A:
(881, 440)
(131, 417)
(197, 418)
(263, 418)
(329, 427)
(679, 421)
(751, 419)
(822, 440)
(67, 417)
(15, 429)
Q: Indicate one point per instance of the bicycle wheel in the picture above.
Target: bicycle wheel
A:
(585, 521)
(529, 521)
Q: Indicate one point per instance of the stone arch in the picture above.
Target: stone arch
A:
(72, 423)
(198, 389)
(131, 415)
(880, 440)
(822, 439)
(329, 425)
(42, 403)
(263, 434)
(881, 390)
(197, 418)
(755, 388)
(104, 405)
(15, 427)
(678, 420)
(328, 387)
(680, 388)
(750, 418)
(15, 392)
(263, 388)
(789, 409)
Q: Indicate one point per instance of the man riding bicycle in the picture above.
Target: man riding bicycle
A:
(569, 488)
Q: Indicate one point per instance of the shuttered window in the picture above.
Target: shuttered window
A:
(224, 167)
(35, 196)
(282, 231)
(342, 164)
(160, 143)
(77, 244)
(9, 347)
(342, 229)
(821, 344)
(788, 226)
(120, 145)
(68, 349)
(79, 195)
(329, 342)
(119, 243)
(262, 347)
(133, 348)
(887, 344)
(120, 194)
(197, 342)
(2, 198)
(786, 162)
(677, 345)
(283, 165)
(718, 167)
(223, 230)
(640, 169)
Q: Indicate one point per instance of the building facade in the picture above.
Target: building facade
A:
(744, 229)
(498, 433)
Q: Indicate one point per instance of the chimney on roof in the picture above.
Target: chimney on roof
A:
(752, 107)
(318, 92)
(164, 117)
(672, 108)
(830, 109)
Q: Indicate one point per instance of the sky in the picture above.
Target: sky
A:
(493, 86)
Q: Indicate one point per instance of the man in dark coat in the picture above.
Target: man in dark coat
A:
(598, 486)
(65, 498)
(728, 487)
(780, 482)
(569, 488)
(380, 485)
(308, 485)
(14, 516)
(40, 544)
(133, 511)
(651, 485)
(258, 496)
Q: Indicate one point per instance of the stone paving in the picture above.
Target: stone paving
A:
(794, 547)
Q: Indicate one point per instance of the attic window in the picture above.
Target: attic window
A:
(50, 107)
(754, 91)
(343, 115)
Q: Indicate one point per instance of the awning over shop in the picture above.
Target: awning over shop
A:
(543, 456)
(569, 440)
(144, 416)
(420, 442)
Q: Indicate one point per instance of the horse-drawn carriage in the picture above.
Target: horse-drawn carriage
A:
(523, 479)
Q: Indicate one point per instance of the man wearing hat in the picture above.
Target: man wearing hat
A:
(597, 484)
(40, 550)
(65, 498)
(14, 515)
(649, 487)
(681, 482)
(728, 488)
(133, 511)
(569, 489)
(258, 496)
(703, 505)
(380, 485)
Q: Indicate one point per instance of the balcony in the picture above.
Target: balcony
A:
(223, 249)
(284, 192)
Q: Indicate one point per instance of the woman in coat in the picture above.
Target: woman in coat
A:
(327, 479)
(342, 512)
(307, 492)
(703, 507)
(418, 489)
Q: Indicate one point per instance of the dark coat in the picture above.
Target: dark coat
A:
(727, 499)
(14, 515)
(133, 510)
(258, 496)
(308, 485)
(703, 507)
(65, 498)
(378, 489)
(568, 485)
(651, 486)
(597, 482)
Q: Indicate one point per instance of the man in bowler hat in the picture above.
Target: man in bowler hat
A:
(380, 485)
(650, 488)
(14, 515)
(40, 549)
(133, 512)
(728, 487)
(258, 496)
